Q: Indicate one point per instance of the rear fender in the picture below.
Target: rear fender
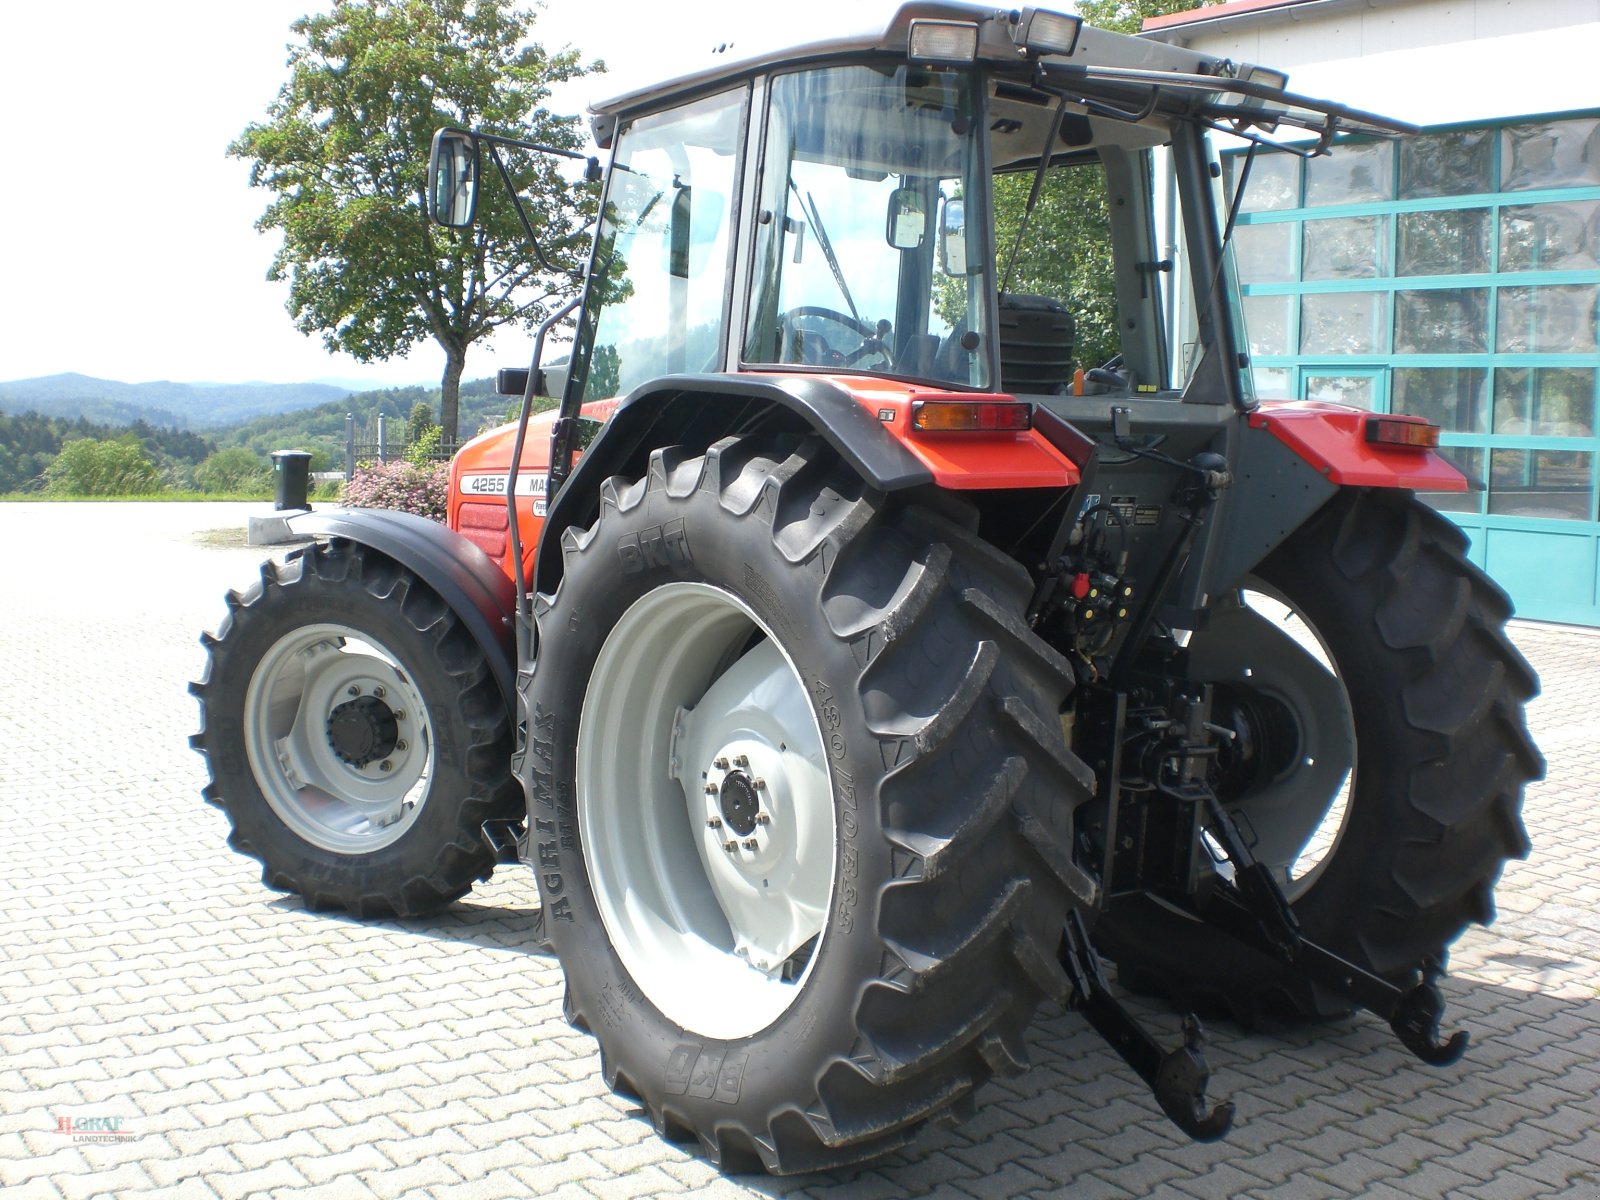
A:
(1332, 438)
(867, 421)
(476, 588)
(1293, 458)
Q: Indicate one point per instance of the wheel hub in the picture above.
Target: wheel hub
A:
(363, 730)
(740, 805)
(339, 738)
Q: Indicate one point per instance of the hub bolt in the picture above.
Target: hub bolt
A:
(751, 843)
(399, 714)
(741, 761)
(714, 823)
(763, 819)
(720, 764)
(352, 690)
(400, 745)
(379, 692)
(730, 847)
(386, 765)
(711, 789)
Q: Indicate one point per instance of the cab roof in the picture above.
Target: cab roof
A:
(1150, 74)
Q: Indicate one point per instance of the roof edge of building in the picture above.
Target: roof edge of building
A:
(1234, 12)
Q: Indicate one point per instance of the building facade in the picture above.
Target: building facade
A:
(1454, 274)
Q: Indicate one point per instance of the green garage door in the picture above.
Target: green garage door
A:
(1453, 275)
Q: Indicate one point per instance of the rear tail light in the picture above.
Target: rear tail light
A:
(971, 416)
(1412, 432)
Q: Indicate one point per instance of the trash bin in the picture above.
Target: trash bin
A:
(290, 474)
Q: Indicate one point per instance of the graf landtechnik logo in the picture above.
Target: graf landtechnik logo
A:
(95, 1129)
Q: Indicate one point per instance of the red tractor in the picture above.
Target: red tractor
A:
(854, 669)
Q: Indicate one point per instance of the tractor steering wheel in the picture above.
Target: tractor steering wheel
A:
(803, 342)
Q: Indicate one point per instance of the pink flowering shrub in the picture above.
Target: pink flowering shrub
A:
(423, 490)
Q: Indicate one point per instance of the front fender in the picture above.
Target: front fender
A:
(474, 586)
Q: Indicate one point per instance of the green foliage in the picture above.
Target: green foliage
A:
(1126, 16)
(421, 451)
(345, 149)
(232, 471)
(1065, 251)
(94, 467)
(420, 422)
(30, 442)
(321, 430)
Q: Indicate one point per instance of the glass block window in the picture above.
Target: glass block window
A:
(1452, 241)
(1454, 275)
(1458, 163)
(1549, 154)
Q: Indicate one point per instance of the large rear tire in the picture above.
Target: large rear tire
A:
(1410, 737)
(800, 803)
(355, 735)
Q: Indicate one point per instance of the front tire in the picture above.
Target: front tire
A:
(1411, 735)
(754, 634)
(355, 735)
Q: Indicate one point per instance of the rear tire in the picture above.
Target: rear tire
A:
(912, 906)
(355, 735)
(1434, 694)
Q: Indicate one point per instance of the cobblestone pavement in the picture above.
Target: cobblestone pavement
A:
(249, 1047)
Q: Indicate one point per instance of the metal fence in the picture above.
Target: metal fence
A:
(386, 446)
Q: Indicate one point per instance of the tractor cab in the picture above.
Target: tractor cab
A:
(963, 204)
(895, 204)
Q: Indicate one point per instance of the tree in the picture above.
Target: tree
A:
(1126, 16)
(345, 149)
(419, 422)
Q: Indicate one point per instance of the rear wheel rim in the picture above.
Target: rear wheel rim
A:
(1293, 825)
(339, 739)
(705, 810)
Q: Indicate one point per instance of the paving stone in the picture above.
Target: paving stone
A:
(271, 1050)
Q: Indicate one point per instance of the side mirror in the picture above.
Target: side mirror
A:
(908, 221)
(953, 238)
(453, 179)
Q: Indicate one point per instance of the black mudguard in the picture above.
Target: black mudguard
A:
(697, 410)
(467, 579)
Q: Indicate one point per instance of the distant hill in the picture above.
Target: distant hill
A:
(164, 405)
(321, 430)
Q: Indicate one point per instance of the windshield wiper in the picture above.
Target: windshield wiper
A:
(810, 207)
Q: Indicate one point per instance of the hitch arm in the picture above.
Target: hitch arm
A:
(1413, 1013)
(1177, 1078)
(1254, 910)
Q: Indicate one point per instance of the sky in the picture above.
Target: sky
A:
(127, 241)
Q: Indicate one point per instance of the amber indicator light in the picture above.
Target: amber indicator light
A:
(969, 416)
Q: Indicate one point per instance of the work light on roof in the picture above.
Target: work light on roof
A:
(1040, 32)
(944, 41)
(1252, 73)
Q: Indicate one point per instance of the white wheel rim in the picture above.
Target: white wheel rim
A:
(705, 809)
(1296, 823)
(348, 793)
